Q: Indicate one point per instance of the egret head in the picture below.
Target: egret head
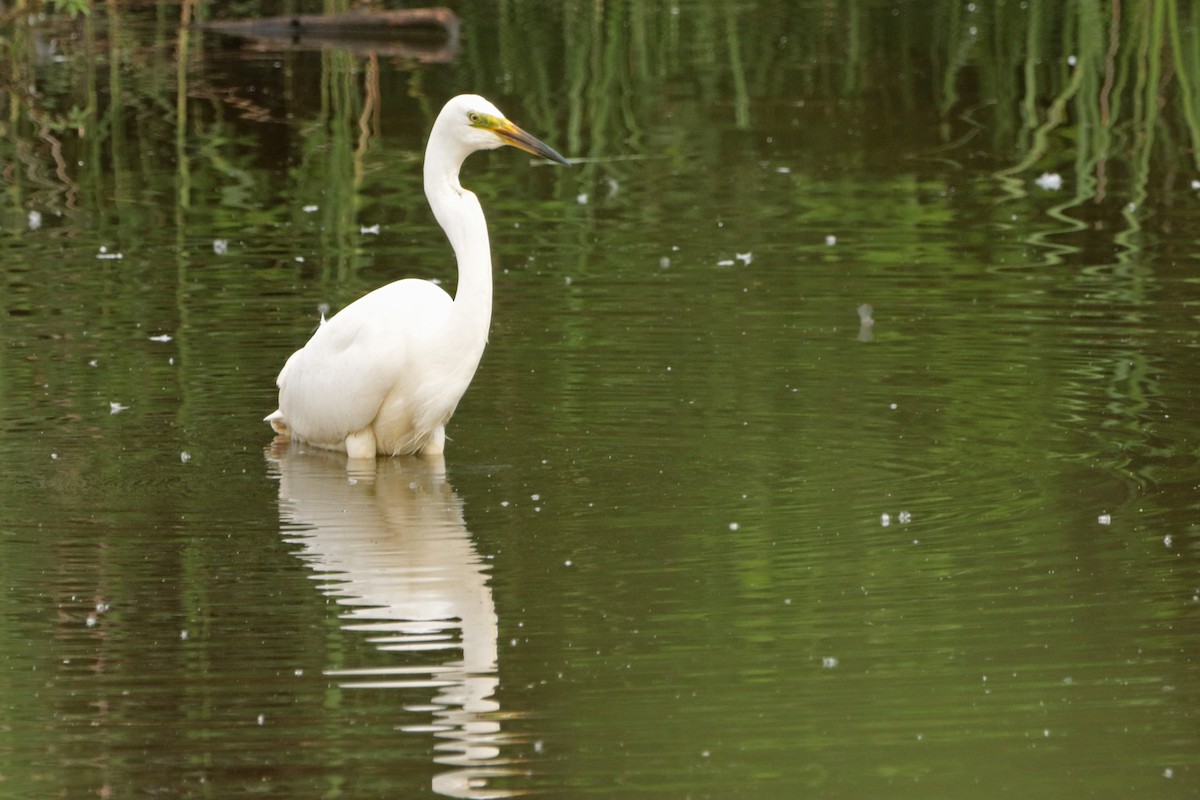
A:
(479, 125)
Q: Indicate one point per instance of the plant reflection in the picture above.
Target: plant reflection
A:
(388, 542)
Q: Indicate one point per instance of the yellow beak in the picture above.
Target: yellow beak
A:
(513, 135)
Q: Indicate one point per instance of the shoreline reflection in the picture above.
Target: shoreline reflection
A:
(387, 541)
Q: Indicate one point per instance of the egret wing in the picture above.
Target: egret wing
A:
(336, 384)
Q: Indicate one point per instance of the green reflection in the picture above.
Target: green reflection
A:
(710, 445)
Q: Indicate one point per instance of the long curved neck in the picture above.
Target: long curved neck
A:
(461, 217)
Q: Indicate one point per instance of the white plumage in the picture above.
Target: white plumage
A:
(384, 375)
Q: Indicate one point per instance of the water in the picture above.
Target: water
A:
(698, 531)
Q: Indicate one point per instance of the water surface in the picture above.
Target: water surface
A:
(700, 531)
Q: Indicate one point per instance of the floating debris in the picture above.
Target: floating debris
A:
(829, 662)
(105, 255)
(371, 230)
(116, 408)
(185, 457)
(35, 220)
(162, 337)
(745, 258)
(830, 240)
(309, 209)
(1050, 181)
(1104, 519)
(865, 323)
(582, 198)
(220, 246)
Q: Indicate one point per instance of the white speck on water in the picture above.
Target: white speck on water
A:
(261, 719)
(1168, 773)
(1050, 181)
(369, 230)
(885, 519)
(725, 262)
(829, 662)
(538, 746)
(1104, 519)
(664, 262)
(581, 198)
(1045, 733)
(162, 337)
(1072, 61)
(567, 563)
(1196, 185)
(220, 246)
(783, 170)
(535, 497)
(54, 456)
(104, 254)
(504, 504)
(310, 209)
(745, 258)
(904, 517)
(299, 259)
(93, 363)
(733, 526)
(185, 457)
(1167, 540)
(830, 240)
(299, 672)
(91, 620)
(35, 220)
(116, 408)
(705, 754)
(183, 634)
(893, 406)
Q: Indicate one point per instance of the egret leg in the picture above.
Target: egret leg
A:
(436, 445)
(361, 444)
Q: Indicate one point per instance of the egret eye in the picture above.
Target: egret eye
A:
(473, 118)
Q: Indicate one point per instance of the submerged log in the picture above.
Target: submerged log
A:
(425, 34)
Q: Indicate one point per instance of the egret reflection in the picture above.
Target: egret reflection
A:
(387, 540)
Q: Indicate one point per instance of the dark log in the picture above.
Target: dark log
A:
(425, 34)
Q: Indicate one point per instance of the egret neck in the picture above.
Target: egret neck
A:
(458, 211)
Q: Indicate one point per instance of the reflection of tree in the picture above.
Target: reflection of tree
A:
(390, 545)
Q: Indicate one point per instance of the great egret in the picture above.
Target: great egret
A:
(384, 375)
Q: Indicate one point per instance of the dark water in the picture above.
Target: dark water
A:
(700, 530)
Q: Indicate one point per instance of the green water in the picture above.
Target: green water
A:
(699, 531)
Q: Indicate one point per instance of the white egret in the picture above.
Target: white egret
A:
(384, 374)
